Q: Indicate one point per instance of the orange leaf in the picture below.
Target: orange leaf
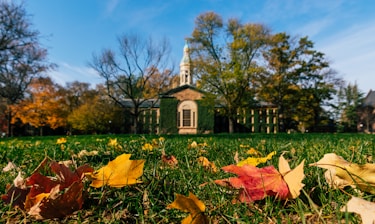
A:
(192, 205)
(207, 164)
(169, 160)
(118, 173)
(255, 183)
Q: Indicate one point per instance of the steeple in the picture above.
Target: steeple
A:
(185, 71)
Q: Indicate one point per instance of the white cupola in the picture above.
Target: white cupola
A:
(185, 71)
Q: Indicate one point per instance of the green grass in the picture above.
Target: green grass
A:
(317, 204)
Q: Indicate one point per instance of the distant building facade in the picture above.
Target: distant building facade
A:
(181, 111)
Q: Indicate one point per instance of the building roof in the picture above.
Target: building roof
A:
(145, 103)
(369, 99)
(180, 88)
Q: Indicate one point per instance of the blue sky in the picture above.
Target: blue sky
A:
(73, 30)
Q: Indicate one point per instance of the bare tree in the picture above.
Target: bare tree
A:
(21, 56)
(128, 73)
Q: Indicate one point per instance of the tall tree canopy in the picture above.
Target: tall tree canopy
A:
(298, 80)
(21, 56)
(135, 74)
(349, 99)
(96, 114)
(225, 59)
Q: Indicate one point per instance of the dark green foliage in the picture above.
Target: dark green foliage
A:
(168, 116)
(205, 118)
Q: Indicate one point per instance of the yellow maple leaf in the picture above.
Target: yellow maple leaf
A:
(147, 147)
(254, 152)
(341, 173)
(255, 161)
(118, 173)
(192, 205)
(61, 141)
(365, 209)
(293, 178)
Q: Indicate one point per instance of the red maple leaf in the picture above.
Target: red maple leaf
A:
(52, 191)
(255, 183)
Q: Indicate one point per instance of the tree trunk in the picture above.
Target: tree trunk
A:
(9, 132)
(231, 125)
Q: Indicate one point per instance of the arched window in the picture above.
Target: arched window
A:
(186, 115)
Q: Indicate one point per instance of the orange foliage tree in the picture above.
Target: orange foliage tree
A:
(44, 106)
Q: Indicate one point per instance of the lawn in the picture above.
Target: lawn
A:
(147, 202)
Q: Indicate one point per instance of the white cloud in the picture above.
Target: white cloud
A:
(353, 54)
(69, 73)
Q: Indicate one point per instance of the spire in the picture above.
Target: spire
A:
(185, 72)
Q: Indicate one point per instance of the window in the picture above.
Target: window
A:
(178, 119)
(186, 118)
(187, 115)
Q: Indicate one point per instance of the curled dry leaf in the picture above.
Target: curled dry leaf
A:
(85, 153)
(10, 166)
(16, 193)
(363, 208)
(207, 164)
(192, 205)
(169, 160)
(341, 173)
(118, 173)
(235, 158)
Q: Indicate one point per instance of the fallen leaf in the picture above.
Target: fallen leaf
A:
(362, 207)
(57, 204)
(341, 173)
(170, 160)
(118, 173)
(192, 205)
(254, 152)
(84, 153)
(293, 178)
(255, 183)
(16, 193)
(61, 141)
(255, 161)
(10, 166)
(235, 158)
(147, 147)
(193, 145)
(45, 197)
(207, 164)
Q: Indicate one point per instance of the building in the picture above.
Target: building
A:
(181, 110)
(366, 113)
